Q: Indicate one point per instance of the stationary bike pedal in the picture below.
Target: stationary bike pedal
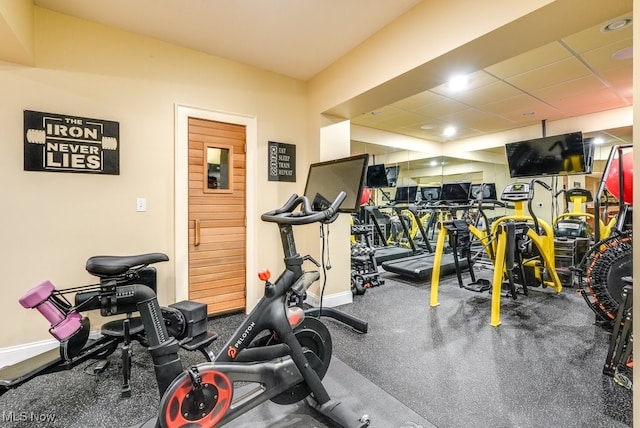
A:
(101, 366)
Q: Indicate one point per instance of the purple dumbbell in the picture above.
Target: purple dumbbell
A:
(63, 325)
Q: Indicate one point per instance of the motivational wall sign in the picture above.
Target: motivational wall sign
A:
(282, 162)
(60, 143)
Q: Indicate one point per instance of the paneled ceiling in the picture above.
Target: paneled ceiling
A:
(588, 71)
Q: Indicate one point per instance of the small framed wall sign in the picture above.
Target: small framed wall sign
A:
(282, 162)
(61, 143)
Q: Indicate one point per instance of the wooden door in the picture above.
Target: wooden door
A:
(217, 253)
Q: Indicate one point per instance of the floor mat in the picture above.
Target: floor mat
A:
(346, 385)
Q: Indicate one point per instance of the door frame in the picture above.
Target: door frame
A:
(181, 195)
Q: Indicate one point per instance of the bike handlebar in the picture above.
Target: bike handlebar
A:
(286, 214)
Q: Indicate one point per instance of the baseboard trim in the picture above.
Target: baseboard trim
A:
(332, 300)
(15, 354)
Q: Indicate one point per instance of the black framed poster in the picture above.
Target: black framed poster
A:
(282, 162)
(61, 143)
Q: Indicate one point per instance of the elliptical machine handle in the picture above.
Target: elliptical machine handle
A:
(530, 201)
(540, 182)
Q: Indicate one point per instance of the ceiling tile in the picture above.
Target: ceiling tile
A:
(601, 59)
(620, 80)
(536, 58)
(476, 80)
(441, 108)
(487, 94)
(521, 103)
(595, 37)
(604, 99)
(419, 100)
(549, 75)
(569, 88)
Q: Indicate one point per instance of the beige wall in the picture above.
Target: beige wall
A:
(52, 222)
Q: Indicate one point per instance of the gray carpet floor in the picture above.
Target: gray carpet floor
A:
(416, 367)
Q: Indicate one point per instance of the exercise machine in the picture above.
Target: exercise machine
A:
(574, 223)
(522, 249)
(430, 264)
(610, 259)
(285, 365)
(364, 268)
(573, 233)
(124, 280)
(619, 360)
(461, 235)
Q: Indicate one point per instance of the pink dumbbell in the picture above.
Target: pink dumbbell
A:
(63, 325)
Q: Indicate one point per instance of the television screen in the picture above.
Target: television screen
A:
(430, 193)
(455, 192)
(488, 191)
(406, 194)
(326, 179)
(392, 175)
(557, 155)
(377, 176)
(589, 149)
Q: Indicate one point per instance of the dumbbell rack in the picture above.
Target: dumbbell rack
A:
(363, 262)
(568, 254)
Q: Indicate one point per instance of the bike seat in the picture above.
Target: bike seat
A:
(105, 266)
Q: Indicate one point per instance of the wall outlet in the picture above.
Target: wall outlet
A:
(141, 205)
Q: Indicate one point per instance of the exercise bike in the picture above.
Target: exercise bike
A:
(125, 281)
(285, 365)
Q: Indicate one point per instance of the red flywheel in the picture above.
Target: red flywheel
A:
(196, 399)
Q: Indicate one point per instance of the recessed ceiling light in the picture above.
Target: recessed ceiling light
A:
(426, 127)
(433, 162)
(624, 53)
(458, 83)
(617, 25)
(598, 140)
(376, 112)
(450, 131)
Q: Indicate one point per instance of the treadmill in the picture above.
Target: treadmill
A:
(420, 267)
(404, 196)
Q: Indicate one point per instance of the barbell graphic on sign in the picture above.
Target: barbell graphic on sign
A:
(39, 136)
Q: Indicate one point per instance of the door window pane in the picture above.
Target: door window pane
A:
(218, 168)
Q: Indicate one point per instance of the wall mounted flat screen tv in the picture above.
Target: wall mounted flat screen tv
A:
(406, 194)
(564, 154)
(377, 176)
(488, 191)
(455, 192)
(430, 193)
(392, 175)
(326, 179)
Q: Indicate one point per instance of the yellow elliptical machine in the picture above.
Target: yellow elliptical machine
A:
(523, 248)
(574, 223)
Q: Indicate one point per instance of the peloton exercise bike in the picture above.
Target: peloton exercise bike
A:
(287, 364)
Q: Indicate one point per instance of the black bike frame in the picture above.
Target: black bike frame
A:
(274, 370)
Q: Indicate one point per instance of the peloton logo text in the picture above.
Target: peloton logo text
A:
(232, 352)
(54, 142)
